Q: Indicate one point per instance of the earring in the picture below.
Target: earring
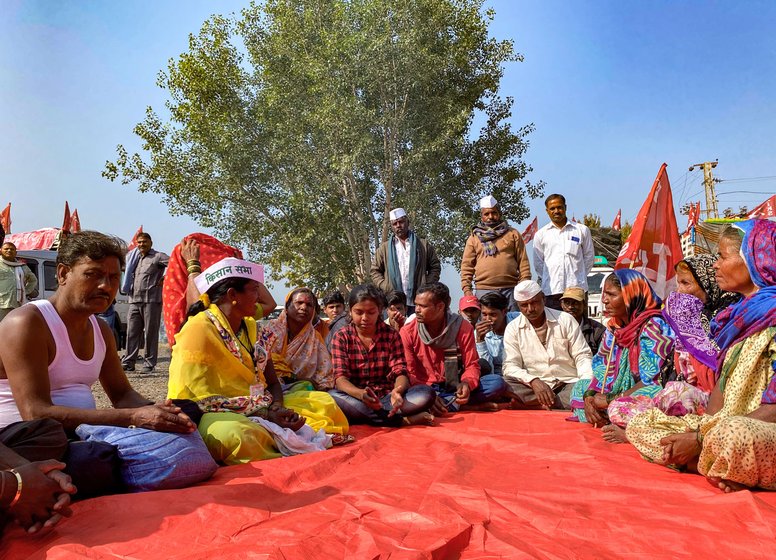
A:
(234, 302)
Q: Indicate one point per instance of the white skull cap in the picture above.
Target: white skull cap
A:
(397, 213)
(488, 202)
(526, 289)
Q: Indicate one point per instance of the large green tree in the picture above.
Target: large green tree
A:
(297, 125)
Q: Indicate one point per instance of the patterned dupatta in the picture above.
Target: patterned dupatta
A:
(641, 304)
(758, 311)
(211, 366)
(305, 357)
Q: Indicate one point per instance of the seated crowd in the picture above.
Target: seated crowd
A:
(690, 382)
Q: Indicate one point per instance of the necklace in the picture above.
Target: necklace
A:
(247, 347)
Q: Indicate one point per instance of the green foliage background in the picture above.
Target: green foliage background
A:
(295, 126)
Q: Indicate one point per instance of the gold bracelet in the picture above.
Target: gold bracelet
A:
(18, 487)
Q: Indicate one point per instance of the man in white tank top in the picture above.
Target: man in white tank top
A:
(53, 351)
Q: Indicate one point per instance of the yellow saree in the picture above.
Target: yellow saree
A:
(203, 370)
(731, 439)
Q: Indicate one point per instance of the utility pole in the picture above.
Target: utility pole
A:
(708, 182)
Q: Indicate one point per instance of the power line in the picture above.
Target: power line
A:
(693, 182)
(746, 192)
(765, 178)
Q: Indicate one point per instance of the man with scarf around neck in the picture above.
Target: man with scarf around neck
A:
(440, 352)
(494, 257)
(563, 252)
(404, 262)
(17, 281)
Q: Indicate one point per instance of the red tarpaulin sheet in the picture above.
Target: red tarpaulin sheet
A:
(484, 485)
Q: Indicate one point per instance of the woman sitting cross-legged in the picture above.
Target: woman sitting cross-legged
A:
(688, 312)
(372, 384)
(303, 364)
(217, 363)
(734, 443)
(636, 351)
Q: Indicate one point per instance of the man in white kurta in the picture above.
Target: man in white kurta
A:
(545, 353)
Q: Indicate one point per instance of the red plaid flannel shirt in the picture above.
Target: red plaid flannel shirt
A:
(377, 367)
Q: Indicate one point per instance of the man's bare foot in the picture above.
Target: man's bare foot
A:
(509, 405)
(613, 434)
(420, 418)
(482, 407)
(725, 485)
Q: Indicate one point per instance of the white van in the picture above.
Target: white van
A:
(595, 281)
(44, 265)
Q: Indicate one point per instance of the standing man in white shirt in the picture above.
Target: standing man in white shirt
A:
(404, 262)
(563, 253)
(545, 353)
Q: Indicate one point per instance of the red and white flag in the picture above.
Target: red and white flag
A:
(616, 225)
(693, 215)
(75, 222)
(67, 220)
(133, 243)
(653, 247)
(531, 230)
(765, 210)
(5, 218)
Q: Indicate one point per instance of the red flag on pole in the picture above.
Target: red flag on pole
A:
(531, 230)
(66, 222)
(765, 210)
(75, 222)
(5, 218)
(653, 247)
(616, 225)
(133, 243)
(694, 215)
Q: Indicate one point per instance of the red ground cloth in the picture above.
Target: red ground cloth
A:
(504, 485)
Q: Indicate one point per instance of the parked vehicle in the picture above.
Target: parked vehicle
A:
(44, 265)
(595, 282)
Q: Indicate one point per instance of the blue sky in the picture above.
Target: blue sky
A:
(614, 89)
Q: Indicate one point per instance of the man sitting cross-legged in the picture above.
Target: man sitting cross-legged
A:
(545, 352)
(54, 350)
(440, 351)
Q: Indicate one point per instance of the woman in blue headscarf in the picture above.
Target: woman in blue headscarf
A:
(734, 443)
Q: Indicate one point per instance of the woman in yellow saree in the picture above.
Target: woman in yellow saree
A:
(217, 364)
(734, 444)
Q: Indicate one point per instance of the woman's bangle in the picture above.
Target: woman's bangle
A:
(193, 270)
(192, 262)
(18, 487)
(699, 437)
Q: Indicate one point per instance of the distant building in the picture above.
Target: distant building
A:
(688, 247)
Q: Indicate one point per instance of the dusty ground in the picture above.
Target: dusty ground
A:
(153, 385)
